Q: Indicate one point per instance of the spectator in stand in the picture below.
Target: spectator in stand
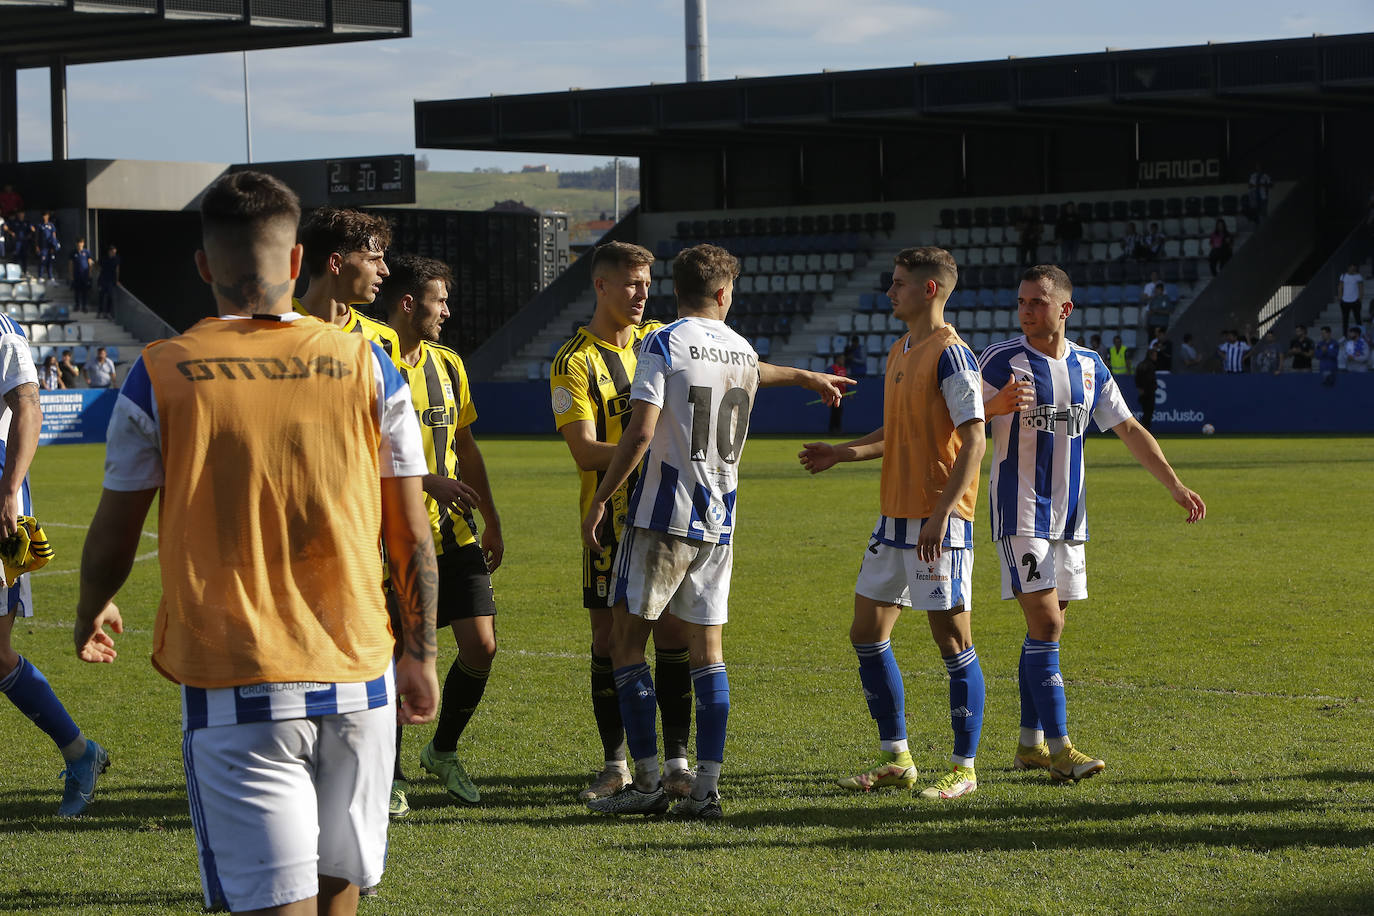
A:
(23, 240)
(1327, 351)
(71, 372)
(50, 376)
(109, 279)
(1145, 386)
(1355, 350)
(10, 201)
(1221, 242)
(1130, 243)
(837, 412)
(1153, 243)
(100, 371)
(1156, 301)
(1260, 185)
(1068, 232)
(45, 237)
(4, 238)
(1163, 348)
(1095, 344)
(1349, 293)
(1118, 357)
(855, 359)
(1300, 350)
(1266, 358)
(1233, 352)
(1192, 359)
(81, 275)
(1029, 244)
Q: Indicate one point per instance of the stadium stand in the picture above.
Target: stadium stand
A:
(802, 291)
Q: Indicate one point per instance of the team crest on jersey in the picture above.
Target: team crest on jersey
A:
(562, 400)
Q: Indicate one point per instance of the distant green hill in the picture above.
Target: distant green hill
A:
(540, 190)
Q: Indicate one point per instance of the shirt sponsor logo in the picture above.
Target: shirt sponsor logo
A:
(562, 400)
(931, 577)
(1072, 420)
(246, 368)
(264, 690)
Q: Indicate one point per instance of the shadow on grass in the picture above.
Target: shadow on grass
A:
(97, 902)
(1356, 897)
(119, 807)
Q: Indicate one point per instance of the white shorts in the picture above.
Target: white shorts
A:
(18, 599)
(276, 804)
(896, 575)
(688, 578)
(1037, 564)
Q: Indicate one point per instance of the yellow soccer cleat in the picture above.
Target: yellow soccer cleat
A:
(958, 781)
(1031, 757)
(1071, 765)
(893, 769)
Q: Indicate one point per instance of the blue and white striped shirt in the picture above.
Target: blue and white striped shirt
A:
(1036, 486)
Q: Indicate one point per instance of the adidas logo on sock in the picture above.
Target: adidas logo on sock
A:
(1053, 680)
(960, 711)
(869, 695)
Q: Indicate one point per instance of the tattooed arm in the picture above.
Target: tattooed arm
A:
(415, 580)
(26, 420)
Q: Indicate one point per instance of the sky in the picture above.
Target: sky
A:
(354, 99)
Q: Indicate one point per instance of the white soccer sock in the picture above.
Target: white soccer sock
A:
(1058, 744)
(675, 764)
(620, 765)
(647, 775)
(894, 747)
(1030, 737)
(708, 779)
(961, 761)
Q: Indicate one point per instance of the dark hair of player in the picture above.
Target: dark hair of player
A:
(701, 270)
(330, 230)
(242, 203)
(410, 273)
(620, 255)
(1055, 274)
(930, 263)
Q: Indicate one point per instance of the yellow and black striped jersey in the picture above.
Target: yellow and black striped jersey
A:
(590, 380)
(443, 403)
(358, 323)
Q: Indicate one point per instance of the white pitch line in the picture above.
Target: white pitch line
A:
(71, 572)
(146, 534)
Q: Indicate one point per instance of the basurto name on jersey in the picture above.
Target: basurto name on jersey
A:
(723, 356)
(1074, 417)
(249, 368)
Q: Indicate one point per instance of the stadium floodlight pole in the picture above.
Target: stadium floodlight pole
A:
(695, 11)
(247, 112)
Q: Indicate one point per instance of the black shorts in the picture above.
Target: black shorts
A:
(598, 570)
(464, 589)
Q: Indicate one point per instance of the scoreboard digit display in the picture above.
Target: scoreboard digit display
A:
(370, 180)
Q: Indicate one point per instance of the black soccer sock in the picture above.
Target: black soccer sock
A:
(673, 677)
(606, 708)
(463, 688)
(396, 774)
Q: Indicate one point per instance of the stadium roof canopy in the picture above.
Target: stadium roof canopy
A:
(1321, 73)
(60, 33)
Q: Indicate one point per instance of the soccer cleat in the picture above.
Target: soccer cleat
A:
(958, 781)
(371, 891)
(451, 773)
(399, 805)
(1031, 757)
(1071, 765)
(679, 783)
(698, 809)
(606, 783)
(81, 775)
(893, 769)
(631, 800)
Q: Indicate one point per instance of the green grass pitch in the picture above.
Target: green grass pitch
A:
(1218, 668)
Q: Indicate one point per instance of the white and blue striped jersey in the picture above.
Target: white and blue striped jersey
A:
(702, 376)
(211, 707)
(1036, 487)
(16, 368)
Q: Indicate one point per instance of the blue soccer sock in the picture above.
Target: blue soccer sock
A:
(882, 683)
(30, 691)
(1040, 674)
(966, 695)
(1031, 732)
(639, 711)
(711, 686)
